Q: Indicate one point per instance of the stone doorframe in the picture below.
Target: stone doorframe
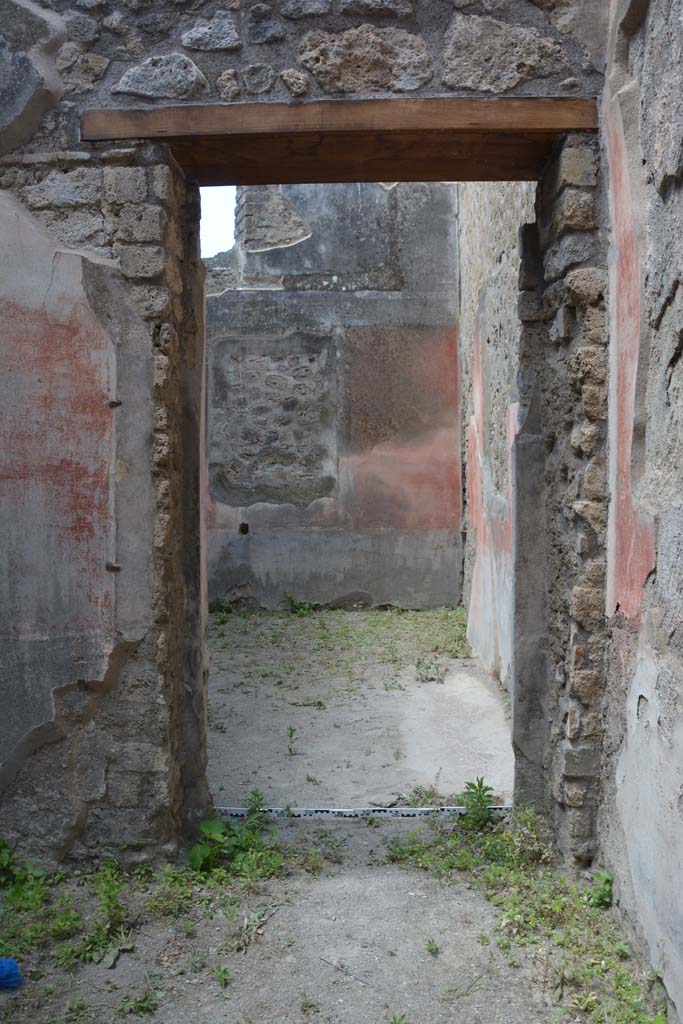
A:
(131, 745)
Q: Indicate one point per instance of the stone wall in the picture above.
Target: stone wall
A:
(641, 818)
(109, 747)
(102, 606)
(489, 222)
(334, 434)
(137, 52)
(533, 322)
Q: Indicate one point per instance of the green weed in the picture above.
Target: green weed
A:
(294, 606)
(239, 847)
(477, 803)
(588, 960)
(222, 975)
(145, 1003)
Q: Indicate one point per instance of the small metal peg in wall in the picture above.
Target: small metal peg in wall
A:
(113, 567)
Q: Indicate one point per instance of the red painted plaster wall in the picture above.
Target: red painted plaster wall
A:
(631, 554)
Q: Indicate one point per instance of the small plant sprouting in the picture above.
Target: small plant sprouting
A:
(397, 1018)
(477, 802)
(307, 1005)
(146, 1003)
(222, 975)
(291, 740)
(300, 608)
(237, 846)
(432, 947)
(601, 892)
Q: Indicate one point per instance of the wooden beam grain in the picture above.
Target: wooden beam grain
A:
(359, 140)
(496, 115)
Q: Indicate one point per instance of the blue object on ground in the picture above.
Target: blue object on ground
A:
(10, 975)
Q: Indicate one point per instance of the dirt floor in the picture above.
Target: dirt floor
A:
(348, 709)
(341, 938)
(355, 921)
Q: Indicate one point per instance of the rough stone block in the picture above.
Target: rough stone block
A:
(593, 325)
(80, 69)
(166, 76)
(227, 84)
(594, 572)
(370, 8)
(152, 301)
(595, 481)
(297, 82)
(81, 227)
(258, 78)
(142, 260)
(213, 34)
(82, 27)
(29, 82)
(594, 513)
(305, 8)
(585, 437)
(263, 25)
(488, 55)
(530, 307)
(574, 212)
(586, 286)
(79, 187)
(568, 251)
(588, 606)
(580, 760)
(589, 364)
(366, 59)
(574, 794)
(125, 185)
(577, 167)
(140, 223)
(573, 724)
(594, 397)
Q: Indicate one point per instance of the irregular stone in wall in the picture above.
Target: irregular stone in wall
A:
(586, 685)
(29, 82)
(305, 8)
(80, 70)
(577, 167)
(81, 27)
(258, 78)
(217, 33)
(167, 76)
(296, 81)
(269, 221)
(661, 84)
(485, 54)
(574, 211)
(228, 84)
(487, 6)
(585, 437)
(397, 8)
(79, 187)
(366, 59)
(586, 286)
(155, 24)
(263, 26)
(583, 20)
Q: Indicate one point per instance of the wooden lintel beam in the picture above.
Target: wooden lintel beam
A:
(556, 116)
(359, 140)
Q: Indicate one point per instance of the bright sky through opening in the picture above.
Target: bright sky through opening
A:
(217, 228)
